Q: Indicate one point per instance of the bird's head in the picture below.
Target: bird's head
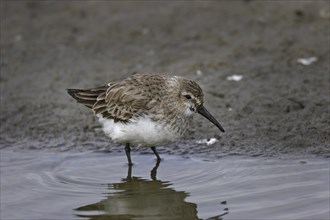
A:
(191, 95)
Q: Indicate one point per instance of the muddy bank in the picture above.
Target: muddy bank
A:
(279, 107)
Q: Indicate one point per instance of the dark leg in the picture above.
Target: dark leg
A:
(156, 153)
(129, 173)
(128, 154)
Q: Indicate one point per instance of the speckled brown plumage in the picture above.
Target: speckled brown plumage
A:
(145, 109)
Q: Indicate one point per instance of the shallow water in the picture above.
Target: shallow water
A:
(37, 185)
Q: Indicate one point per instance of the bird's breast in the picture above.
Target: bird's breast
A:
(143, 131)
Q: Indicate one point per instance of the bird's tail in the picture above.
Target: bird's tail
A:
(87, 97)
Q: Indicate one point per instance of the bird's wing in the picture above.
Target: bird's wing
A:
(123, 100)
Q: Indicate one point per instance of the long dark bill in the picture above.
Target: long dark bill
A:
(202, 110)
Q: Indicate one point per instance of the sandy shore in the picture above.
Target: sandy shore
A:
(279, 107)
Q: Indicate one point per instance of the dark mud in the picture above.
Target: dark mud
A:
(280, 107)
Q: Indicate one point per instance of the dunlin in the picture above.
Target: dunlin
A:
(145, 109)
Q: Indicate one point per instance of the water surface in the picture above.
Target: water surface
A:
(37, 185)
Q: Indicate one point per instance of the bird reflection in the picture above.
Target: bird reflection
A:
(138, 198)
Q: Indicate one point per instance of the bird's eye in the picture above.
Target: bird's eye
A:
(188, 96)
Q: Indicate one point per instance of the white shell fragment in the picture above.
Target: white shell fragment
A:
(208, 142)
(235, 78)
(199, 73)
(307, 61)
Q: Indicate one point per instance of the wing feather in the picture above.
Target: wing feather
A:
(128, 98)
(125, 99)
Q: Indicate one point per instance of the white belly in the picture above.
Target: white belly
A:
(140, 132)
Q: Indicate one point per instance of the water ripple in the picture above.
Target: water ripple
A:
(96, 185)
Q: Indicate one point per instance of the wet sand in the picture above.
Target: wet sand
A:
(280, 107)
